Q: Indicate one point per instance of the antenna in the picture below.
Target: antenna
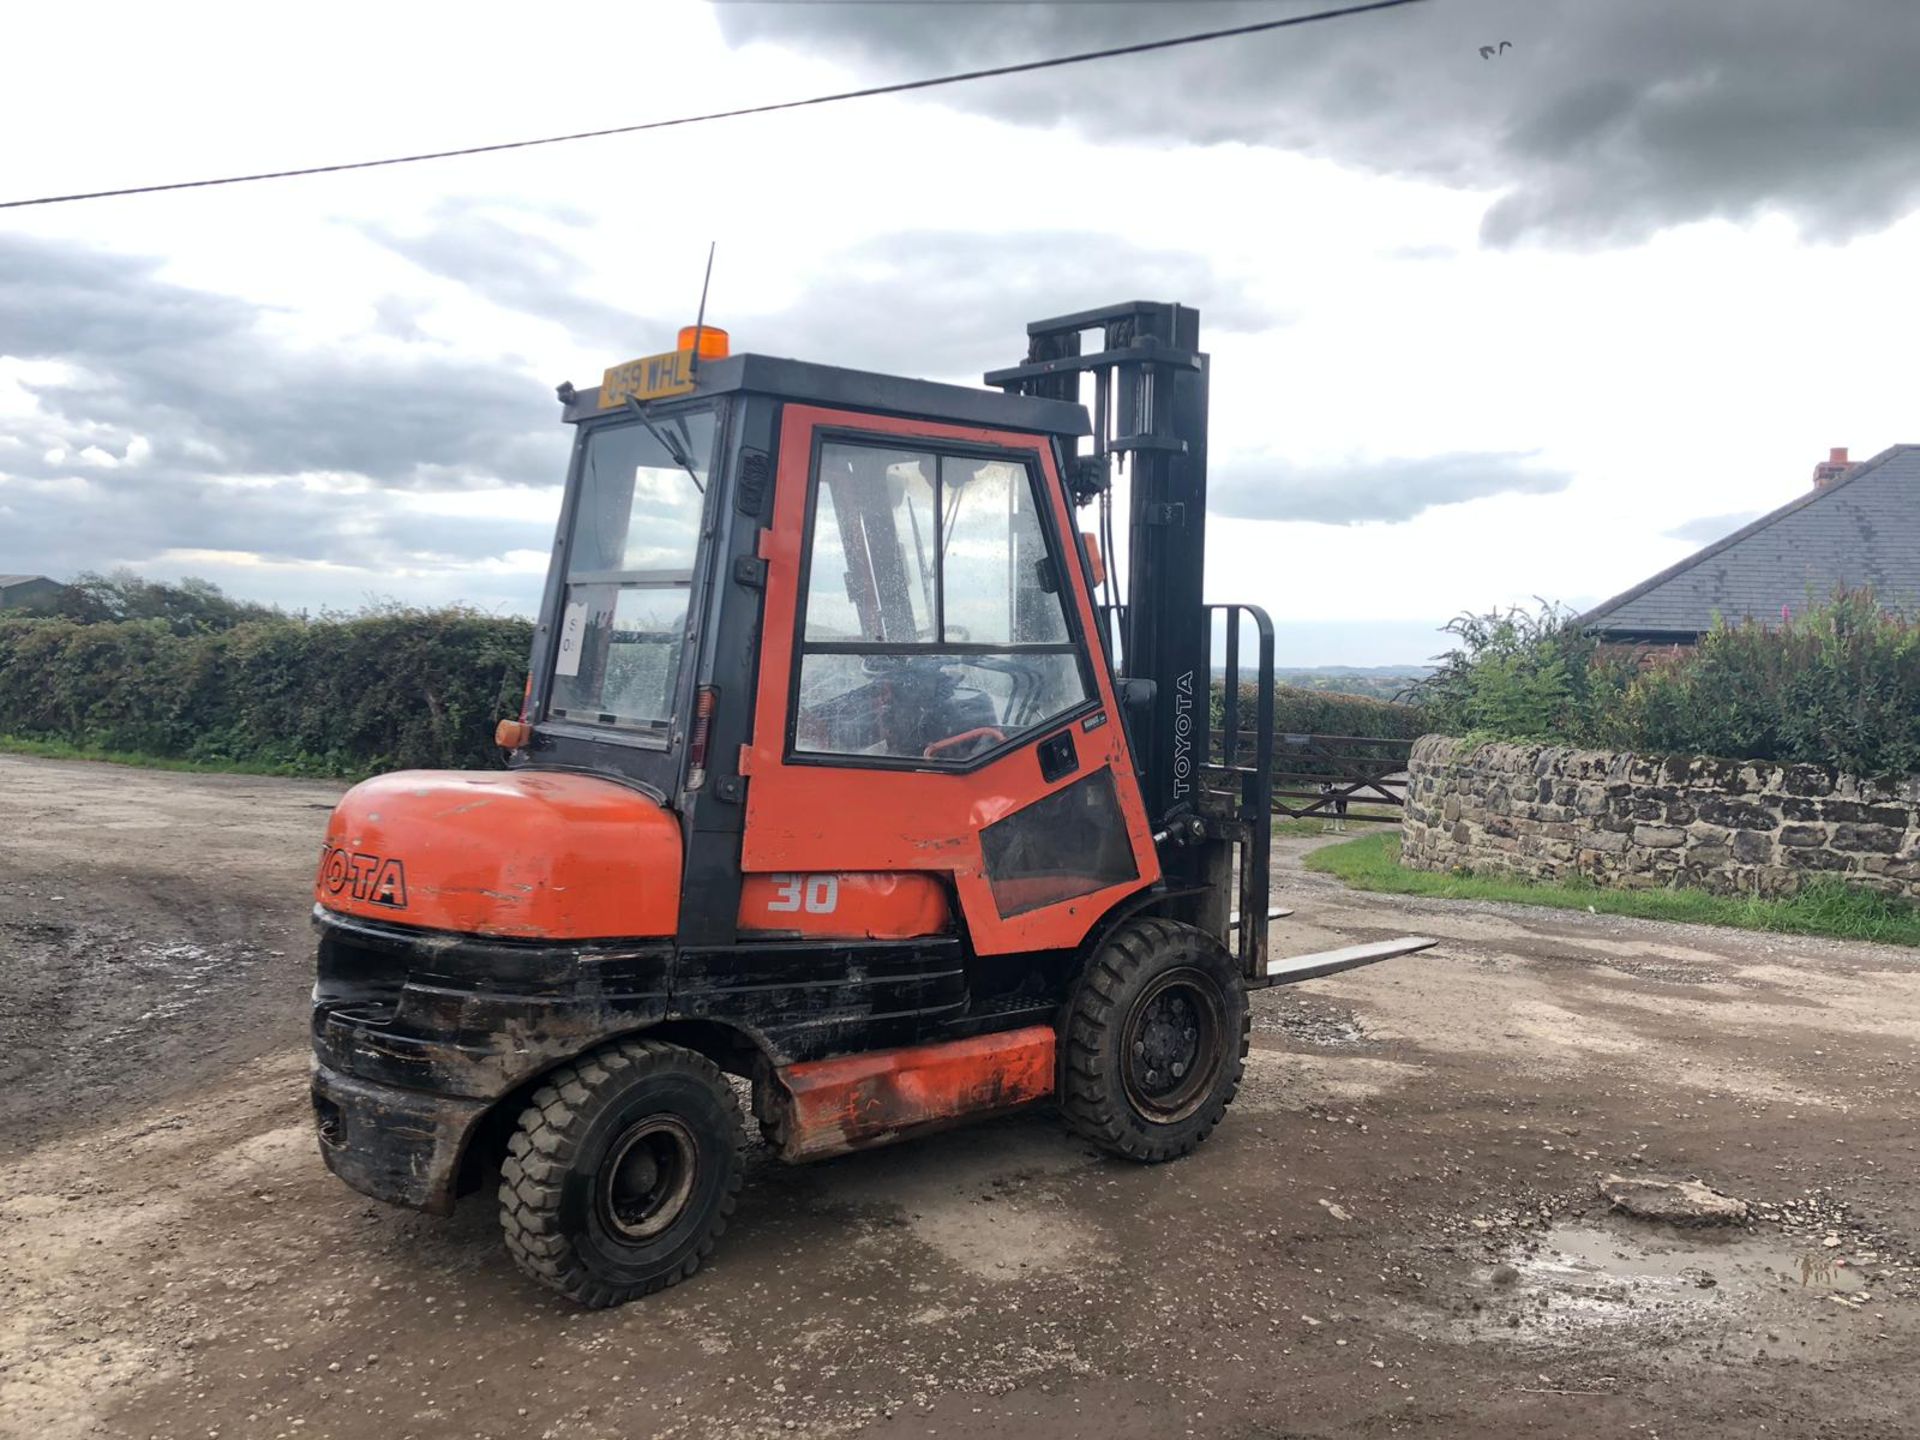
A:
(700, 320)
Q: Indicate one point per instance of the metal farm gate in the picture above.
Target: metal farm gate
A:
(1353, 777)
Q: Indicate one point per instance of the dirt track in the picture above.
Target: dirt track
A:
(1395, 1231)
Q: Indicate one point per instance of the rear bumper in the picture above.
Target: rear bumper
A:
(465, 1015)
(400, 1146)
(417, 1035)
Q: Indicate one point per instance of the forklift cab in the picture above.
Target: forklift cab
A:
(824, 779)
(840, 626)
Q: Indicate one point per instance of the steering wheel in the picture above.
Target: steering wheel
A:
(953, 742)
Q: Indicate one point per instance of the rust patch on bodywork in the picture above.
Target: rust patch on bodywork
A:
(856, 1101)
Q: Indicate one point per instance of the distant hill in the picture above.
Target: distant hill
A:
(1376, 682)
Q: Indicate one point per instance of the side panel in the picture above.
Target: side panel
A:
(856, 906)
(855, 1101)
(805, 999)
(832, 816)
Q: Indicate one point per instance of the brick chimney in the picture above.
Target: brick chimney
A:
(1834, 467)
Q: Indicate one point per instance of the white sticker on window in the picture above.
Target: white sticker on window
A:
(573, 630)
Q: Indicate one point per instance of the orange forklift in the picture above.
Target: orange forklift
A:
(845, 769)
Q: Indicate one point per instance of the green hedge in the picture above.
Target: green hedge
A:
(1300, 711)
(350, 696)
(1320, 712)
(335, 696)
(1836, 684)
(1839, 686)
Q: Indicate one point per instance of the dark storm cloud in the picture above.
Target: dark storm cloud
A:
(1389, 490)
(517, 269)
(185, 423)
(203, 371)
(944, 304)
(950, 304)
(1605, 121)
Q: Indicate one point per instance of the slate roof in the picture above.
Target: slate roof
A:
(1863, 530)
(7, 582)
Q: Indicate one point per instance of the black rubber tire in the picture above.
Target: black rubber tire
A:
(555, 1199)
(1094, 1091)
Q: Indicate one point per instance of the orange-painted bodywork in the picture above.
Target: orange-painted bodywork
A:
(855, 1101)
(1096, 560)
(818, 817)
(856, 906)
(523, 854)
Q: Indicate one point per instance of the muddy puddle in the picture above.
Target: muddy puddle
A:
(1740, 1295)
(83, 1007)
(179, 977)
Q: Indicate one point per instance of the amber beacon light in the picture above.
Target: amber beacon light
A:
(712, 341)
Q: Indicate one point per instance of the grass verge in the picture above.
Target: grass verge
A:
(61, 750)
(1828, 907)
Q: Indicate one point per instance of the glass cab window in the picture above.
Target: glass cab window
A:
(630, 557)
(936, 626)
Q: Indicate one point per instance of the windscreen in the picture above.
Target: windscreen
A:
(630, 558)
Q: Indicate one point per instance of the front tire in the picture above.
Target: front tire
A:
(1154, 1041)
(622, 1172)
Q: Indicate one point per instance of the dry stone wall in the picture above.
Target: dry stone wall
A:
(1732, 826)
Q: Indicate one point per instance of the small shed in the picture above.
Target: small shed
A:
(27, 592)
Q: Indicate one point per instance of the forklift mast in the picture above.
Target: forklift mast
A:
(1207, 784)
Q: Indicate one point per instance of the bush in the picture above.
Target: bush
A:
(1520, 675)
(1836, 685)
(335, 696)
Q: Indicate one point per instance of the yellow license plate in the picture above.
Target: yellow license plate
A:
(650, 378)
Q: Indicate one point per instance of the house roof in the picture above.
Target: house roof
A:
(1862, 530)
(7, 582)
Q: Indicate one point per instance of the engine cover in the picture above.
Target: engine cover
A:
(520, 854)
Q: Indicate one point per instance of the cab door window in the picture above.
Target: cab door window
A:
(935, 625)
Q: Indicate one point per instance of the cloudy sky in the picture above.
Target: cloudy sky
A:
(1482, 329)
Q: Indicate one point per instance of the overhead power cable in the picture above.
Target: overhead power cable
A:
(897, 88)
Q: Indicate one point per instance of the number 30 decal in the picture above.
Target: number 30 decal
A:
(818, 894)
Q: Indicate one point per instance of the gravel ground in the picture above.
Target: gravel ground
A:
(1397, 1229)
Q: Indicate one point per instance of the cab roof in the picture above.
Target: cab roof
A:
(862, 390)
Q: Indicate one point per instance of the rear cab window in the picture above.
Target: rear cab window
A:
(631, 553)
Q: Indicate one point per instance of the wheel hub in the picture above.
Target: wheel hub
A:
(1167, 1040)
(648, 1177)
(1172, 1046)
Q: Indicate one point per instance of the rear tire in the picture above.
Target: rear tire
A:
(622, 1172)
(1154, 1041)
